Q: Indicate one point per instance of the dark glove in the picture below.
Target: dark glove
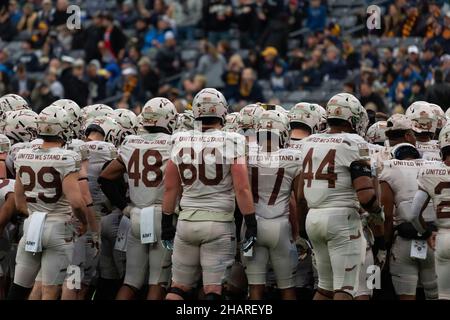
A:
(167, 231)
(250, 233)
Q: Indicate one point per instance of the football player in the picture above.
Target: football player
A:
(424, 126)
(273, 173)
(335, 182)
(47, 191)
(434, 181)
(208, 169)
(143, 159)
(304, 120)
(398, 180)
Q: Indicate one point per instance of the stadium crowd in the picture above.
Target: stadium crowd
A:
(129, 51)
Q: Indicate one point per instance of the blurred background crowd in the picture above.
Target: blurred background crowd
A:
(277, 51)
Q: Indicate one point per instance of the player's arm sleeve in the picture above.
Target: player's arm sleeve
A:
(71, 164)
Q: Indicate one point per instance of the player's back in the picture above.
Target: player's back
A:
(326, 160)
(145, 158)
(401, 175)
(271, 175)
(42, 172)
(100, 152)
(434, 178)
(204, 163)
(429, 150)
(295, 144)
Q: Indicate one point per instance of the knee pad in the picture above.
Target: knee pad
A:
(17, 292)
(179, 292)
(213, 296)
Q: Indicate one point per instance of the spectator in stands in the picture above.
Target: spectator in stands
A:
(159, 9)
(393, 21)
(267, 65)
(414, 25)
(26, 22)
(417, 93)
(6, 66)
(42, 97)
(439, 92)
(148, 80)
(92, 36)
(127, 15)
(186, 14)
(249, 90)
(350, 56)
(192, 86)
(445, 67)
(232, 74)
(96, 82)
(225, 49)
(15, 12)
(247, 21)
(276, 34)
(56, 88)
(310, 75)
(349, 87)
(217, 18)
(212, 65)
(129, 86)
(114, 40)
(334, 66)
(168, 58)
(401, 88)
(39, 38)
(60, 15)
(75, 87)
(316, 15)
(295, 15)
(46, 13)
(280, 80)
(140, 31)
(21, 84)
(429, 61)
(154, 38)
(369, 52)
(28, 57)
(367, 95)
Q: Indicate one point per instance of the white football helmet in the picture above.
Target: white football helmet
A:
(439, 115)
(127, 120)
(210, 103)
(185, 120)
(74, 112)
(159, 112)
(21, 125)
(11, 102)
(96, 110)
(249, 116)
(232, 122)
(5, 144)
(444, 137)
(323, 118)
(275, 122)
(54, 122)
(307, 114)
(376, 134)
(106, 126)
(347, 107)
(422, 117)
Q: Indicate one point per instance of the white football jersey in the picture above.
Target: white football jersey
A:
(429, 150)
(145, 158)
(401, 175)
(326, 160)
(6, 186)
(434, 179)
(295, 144)
(80, 147)
(42, 172)
(204, 164)
(271, 177)
(100, 152)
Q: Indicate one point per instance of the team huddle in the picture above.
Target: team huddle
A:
(264, 203)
